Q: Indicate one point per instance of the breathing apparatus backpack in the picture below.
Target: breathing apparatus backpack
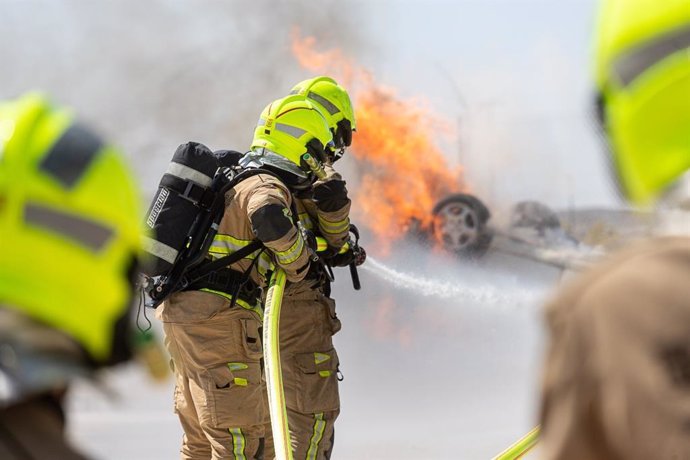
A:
(184, 216)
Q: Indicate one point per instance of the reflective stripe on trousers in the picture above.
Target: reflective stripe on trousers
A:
(317, 435)
(238, 443)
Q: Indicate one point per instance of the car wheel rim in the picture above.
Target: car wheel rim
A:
(456, 226)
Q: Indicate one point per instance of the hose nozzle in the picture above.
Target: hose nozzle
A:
(315, 166)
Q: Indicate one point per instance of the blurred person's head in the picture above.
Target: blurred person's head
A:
(334, 103)
(643, 77)
(292, 139)
(70, 226)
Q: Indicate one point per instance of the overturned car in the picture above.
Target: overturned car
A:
(570, 239)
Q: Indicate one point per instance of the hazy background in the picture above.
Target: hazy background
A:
(512, 75)
(443, 373)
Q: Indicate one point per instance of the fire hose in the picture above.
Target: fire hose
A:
(520, 447)
(274, 376)
(271, 341)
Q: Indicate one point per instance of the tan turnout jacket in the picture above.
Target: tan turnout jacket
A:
(288, 252)
(617, 378)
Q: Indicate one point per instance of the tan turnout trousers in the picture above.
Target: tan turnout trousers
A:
(216, 354)
(216, 350)
(617, 378)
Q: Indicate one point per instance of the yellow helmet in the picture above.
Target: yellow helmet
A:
(335, 105)
(643, 77)
(70, 226)
(294, 129)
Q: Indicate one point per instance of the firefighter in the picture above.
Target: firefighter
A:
(69, 226)
(308, 318)
(617, 378)
(213, 330)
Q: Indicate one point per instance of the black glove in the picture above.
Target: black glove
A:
(356, 255)
(331, 195)
(341, 259)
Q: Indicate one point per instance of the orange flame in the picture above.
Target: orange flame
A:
(403, 171)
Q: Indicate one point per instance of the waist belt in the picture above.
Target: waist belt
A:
(230, 282)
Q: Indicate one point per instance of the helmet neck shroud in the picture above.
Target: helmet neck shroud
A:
(291, 175)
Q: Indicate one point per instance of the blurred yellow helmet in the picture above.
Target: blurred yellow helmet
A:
(294, 129)
(70, 226)
(334, 103)
(643, 77)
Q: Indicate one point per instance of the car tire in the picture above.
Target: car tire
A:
(460, 225)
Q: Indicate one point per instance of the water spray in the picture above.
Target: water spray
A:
(487, 293)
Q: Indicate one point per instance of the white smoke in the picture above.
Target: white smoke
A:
(152, 75)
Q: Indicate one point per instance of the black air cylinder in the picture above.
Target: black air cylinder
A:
(182, 193)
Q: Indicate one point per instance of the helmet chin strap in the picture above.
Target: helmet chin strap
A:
(337, 154)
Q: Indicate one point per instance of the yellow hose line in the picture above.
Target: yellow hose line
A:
(521, 446)
(274, 376)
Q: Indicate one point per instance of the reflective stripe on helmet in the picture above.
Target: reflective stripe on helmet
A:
(287, 129)
(71, 155)
(328, 105)
(87, 232)
(635, 62)
(187, 173)
(160, 250)
(291, 130)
